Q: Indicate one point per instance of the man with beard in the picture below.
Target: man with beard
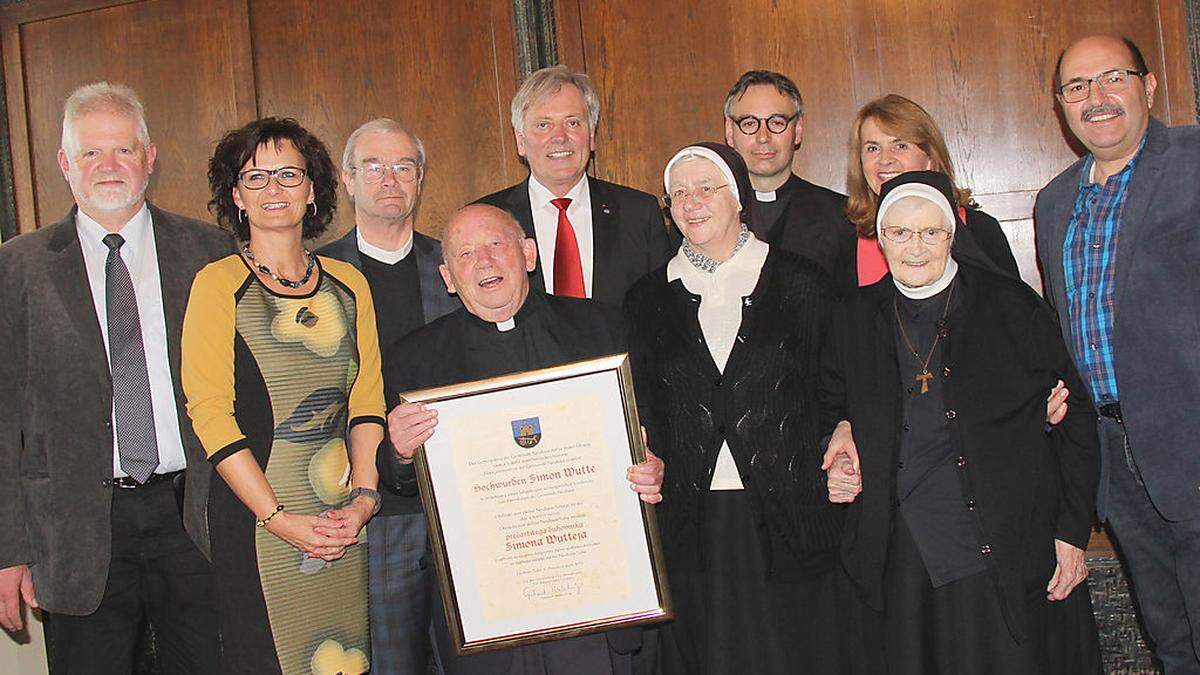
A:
(1117, 241)
(383, 167)
(504, 326)
(594, 238)
(95, 448)
(764, 122)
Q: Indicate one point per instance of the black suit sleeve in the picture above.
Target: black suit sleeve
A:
(397, 476)
(1075, 441)
(990, 237)
(831, 393)
(16, 549)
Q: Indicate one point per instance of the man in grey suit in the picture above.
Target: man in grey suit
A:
(1119, 241)
(102, 481)
(383, 167)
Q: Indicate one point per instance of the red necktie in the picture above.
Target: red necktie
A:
(568, 271)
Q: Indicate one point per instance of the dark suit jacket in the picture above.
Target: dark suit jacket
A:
(1000, 356)
(55, 406)
(629, 234)
(436, 301)
(814, 225)
(1156, 310)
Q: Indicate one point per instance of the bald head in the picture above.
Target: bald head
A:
(1109, 43)
(473, 216)
(488, 259)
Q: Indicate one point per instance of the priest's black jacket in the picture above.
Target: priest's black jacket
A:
(1026, 486)
(459, 347)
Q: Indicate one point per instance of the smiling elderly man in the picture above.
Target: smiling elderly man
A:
(1118, 240)
(594, 238)
(505, 326)
(94, 447)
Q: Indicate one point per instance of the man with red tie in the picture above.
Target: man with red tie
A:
(594, 238)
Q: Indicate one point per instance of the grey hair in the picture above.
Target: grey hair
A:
(379, 125)
(782, 83)
(97, 96)
(547, 82)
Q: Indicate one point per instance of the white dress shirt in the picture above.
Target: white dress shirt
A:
(545, 225)
(141, 257)
(722, 294)
(382, 254)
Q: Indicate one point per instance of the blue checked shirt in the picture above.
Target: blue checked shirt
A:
(1089, 270)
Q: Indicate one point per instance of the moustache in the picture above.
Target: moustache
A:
(1102, 109)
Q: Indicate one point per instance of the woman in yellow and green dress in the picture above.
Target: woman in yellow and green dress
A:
(281, 370)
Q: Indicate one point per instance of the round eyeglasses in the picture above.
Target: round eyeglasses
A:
(776, 124)
(286, 176)
(373, 172)
(930, 236)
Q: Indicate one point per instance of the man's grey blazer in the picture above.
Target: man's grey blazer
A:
(1156, 310)
(56, 434)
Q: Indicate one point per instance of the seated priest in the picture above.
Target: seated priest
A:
(504, 326)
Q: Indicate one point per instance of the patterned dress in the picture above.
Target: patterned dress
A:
(285, 377)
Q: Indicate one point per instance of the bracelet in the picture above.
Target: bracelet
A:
(369, 493)
(262, 522)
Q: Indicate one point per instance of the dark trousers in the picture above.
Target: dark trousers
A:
(401, 579)
(1163, 558)
(156, 573)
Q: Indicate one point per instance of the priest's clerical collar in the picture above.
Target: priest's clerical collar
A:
(533, 302)
(765, 196)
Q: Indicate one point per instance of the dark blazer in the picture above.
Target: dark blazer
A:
(1001, 355)
(814, 225)
(1156, 309)
(629, 235)
(436, 301)
(55, 407)
(763, 405)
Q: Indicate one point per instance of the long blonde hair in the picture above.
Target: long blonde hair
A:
(904, 119)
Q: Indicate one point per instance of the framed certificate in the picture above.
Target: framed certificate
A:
(535, 532)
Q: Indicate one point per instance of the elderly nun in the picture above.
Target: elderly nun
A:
(725, 341)
(966, 533)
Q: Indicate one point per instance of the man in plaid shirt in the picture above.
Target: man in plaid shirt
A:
(1118, 241)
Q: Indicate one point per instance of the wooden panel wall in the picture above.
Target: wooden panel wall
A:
(982, 68)
(446, 70)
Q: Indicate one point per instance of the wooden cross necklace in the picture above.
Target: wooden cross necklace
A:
(924, 376)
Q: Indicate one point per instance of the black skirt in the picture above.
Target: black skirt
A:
(958, 628)
(732, 618)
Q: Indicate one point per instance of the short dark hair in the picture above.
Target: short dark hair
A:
(240, 145)
(782, 83)
(1139, 62)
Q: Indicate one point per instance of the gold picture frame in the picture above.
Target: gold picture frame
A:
(549, 553)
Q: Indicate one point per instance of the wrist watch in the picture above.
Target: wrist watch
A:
(369, 493)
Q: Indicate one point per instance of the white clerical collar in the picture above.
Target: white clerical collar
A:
(381, 254)
(540, 195)
(506, 325)
(764, 196)
(133, 231)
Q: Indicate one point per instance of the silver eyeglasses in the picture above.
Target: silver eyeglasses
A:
(373, 172)
(931, 236)
(1111, 81)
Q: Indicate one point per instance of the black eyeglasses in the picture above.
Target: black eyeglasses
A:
(286, 176)
(776, 124)
(1111, 81)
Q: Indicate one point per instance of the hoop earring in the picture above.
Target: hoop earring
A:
(314, 208)
(241, 215)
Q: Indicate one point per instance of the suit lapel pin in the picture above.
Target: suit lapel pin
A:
(605, 210)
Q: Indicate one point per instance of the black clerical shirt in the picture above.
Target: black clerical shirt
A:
(460, 347)
(929, 478)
